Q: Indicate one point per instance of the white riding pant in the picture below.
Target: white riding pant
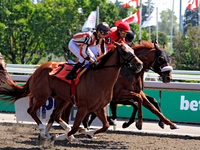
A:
(91, 51)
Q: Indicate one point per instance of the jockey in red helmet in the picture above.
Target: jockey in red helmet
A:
(117, 35)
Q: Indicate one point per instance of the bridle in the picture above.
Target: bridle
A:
(157, 63)
(126, 61)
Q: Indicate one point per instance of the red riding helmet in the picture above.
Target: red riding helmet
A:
(124, 26)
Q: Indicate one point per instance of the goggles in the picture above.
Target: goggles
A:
(123, 32)
(104, 32)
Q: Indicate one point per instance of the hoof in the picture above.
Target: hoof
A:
(138, 126)
(91, 137)
(59, 137)
(161, 124)
(41, 138)
(53, 138)
(126, 124)
(87, 132)
(71, 138)
(111, 121)
(174, 127)
(82, 130)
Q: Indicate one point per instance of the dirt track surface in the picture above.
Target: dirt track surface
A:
(25, 136)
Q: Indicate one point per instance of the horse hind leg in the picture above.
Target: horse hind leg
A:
(155, 103)
(35, 105)
(132, 119)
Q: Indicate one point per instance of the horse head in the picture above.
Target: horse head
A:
(2, 63)
(128, 58)
(161, 64)
(154, 58)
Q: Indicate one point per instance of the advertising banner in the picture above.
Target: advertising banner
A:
(43, 112)
(181, 106)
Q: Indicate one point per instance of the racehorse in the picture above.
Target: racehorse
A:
(113, 106)
(2, 63)
(129, 83)
(3, 70)
(94, 90)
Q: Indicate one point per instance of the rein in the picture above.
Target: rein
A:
(154, 60)
(126, 61)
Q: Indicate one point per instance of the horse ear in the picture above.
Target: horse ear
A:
(164, 46)
(156, 46)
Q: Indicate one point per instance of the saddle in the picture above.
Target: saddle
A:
(62, 70)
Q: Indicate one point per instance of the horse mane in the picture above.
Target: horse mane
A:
(103, 58)
(144, 44)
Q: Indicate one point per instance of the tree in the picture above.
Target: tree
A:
(186, 49)
(30, 31)
(165, 24)
(190, 16)
(20, 42)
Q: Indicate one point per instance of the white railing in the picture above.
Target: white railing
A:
(148, 76)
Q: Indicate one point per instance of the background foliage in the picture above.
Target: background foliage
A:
(31, 33)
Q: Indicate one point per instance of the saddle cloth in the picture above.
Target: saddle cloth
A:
(63, 69)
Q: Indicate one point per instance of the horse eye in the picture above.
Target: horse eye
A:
(160, 59)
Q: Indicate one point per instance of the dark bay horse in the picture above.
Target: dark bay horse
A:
(129, 83)
(113, 107)
(94, 90)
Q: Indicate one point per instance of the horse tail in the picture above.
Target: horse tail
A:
(10, 91)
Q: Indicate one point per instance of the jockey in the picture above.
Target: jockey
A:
(80, 46)
(129, 38)
(118, 34)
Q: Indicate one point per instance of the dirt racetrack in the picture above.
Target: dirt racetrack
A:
(25, 136)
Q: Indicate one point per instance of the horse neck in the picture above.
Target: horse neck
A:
(107, 76)
(146, 56)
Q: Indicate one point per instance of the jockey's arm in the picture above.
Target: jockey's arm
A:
(84, 48)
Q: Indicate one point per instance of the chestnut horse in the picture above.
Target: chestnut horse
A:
(3, 70)
(94, 90)
(130, 83)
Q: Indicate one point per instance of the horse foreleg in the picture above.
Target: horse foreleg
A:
(135, 108)
(85, 121)
(101, 114)
(92, 117)
(139, 122)
(81, 113)
(149, 106)
(55, 116)
(126, 94)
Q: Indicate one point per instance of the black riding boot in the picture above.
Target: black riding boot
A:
(71, 74)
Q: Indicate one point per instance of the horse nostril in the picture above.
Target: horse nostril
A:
(168, 79)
